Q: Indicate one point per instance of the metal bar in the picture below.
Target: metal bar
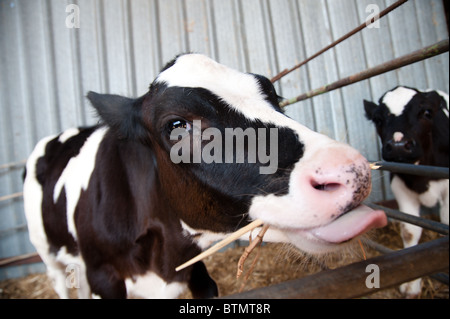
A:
(13, 165)
(344, 37)
(413, 57)
(425, 223)
(350, 281)
(377, 246)
(11, 196)
(20, 260)
(419, 170)
(441, 277)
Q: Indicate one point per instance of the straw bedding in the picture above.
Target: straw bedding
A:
(277, 263)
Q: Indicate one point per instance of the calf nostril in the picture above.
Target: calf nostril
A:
(409, 145)
(388, 147)
(329, 187)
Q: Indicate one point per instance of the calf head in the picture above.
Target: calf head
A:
(308, 187)
(412, 125)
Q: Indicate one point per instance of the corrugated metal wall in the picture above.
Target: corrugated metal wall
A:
(46, 68)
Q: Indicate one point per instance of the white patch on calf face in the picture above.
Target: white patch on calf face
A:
(398, 136)
(76, 175)
(240, 90)
(397, 99)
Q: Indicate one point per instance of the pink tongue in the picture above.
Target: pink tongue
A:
(350, 225)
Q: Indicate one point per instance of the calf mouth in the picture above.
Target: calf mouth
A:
(349, 225)
(339, 231)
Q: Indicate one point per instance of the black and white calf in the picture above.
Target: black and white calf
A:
(413, 127)
(109, 201)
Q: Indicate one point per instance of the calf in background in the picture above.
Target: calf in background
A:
(413, 127)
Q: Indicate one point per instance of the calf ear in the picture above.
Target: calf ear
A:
(121, 114)
(370, 109)
(436, 100)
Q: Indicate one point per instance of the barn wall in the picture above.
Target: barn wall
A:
(46, 68)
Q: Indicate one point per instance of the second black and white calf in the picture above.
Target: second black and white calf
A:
(109, 201)
(413, 127)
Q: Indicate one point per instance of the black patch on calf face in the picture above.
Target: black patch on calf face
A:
(227, 188)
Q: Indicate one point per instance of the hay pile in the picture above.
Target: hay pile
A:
(277, 263)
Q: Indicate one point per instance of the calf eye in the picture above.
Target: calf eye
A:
(427, 114)
(378, 121)
(179, 124)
